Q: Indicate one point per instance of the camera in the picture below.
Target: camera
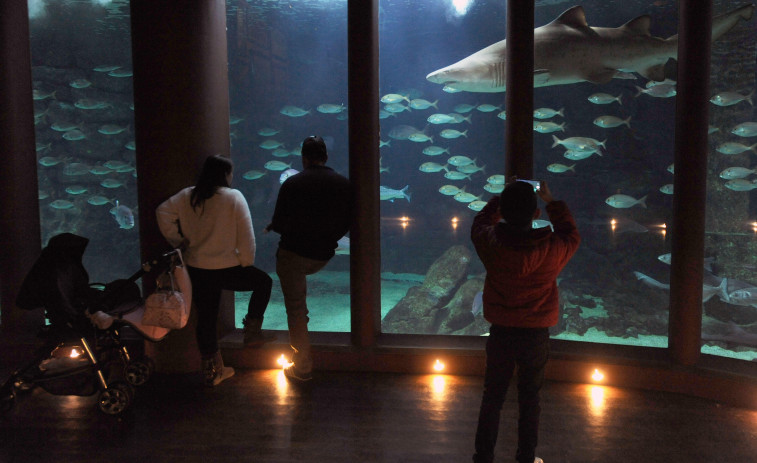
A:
(534, 183)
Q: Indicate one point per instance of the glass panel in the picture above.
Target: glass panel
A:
(729, 323)
(602, 298)
(81, 71)
(433, 140)
(288, 80)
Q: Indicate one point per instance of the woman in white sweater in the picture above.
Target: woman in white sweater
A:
(212, 222)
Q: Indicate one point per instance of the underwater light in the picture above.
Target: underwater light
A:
(438, 365)
(597, 375)
(461, 6)
(74, 353)
(613, 224)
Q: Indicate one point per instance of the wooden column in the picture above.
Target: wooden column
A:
(365, 234)
(690, 184)
(19, 203)
(181, 104)
(519, 98)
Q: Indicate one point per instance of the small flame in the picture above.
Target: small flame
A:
(438, 365)
(283, 361)
(597, 375)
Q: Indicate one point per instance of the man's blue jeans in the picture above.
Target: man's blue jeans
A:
(528, 348)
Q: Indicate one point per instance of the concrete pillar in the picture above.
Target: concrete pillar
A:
(690, 184)
(519, 97)
(181, 105)
(19, 204)
(365, 233)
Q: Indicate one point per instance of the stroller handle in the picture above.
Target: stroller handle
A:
(172, 257)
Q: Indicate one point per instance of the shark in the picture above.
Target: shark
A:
(568, 50)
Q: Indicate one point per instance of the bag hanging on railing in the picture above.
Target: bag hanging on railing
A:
(166, 307)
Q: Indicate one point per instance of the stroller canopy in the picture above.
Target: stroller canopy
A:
(58, 280)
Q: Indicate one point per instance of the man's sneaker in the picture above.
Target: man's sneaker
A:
(291, 373)
(253, 334)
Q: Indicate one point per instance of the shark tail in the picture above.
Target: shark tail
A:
(723, 290)
(726, 21)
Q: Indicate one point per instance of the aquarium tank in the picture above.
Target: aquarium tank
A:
(605, 147)
(84, 129)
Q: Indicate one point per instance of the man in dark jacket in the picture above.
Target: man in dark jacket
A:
(521, 302)
(312, 212)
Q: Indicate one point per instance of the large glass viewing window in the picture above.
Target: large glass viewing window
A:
(83, 116)
(606, 149)
(288, 80)
(729, 319)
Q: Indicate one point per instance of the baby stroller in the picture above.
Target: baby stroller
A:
(84, 352)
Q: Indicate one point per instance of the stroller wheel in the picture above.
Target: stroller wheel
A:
(7, 397)
(116, 398)
(139, 371)
(21, 385)
(6, 403)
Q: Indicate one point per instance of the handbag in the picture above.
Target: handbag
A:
(166, 307)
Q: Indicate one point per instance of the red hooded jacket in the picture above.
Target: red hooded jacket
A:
(522, 267)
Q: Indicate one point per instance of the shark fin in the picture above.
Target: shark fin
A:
(541, 77)
(656, 72)
(573, 17)
(602, 76)
(639, 26)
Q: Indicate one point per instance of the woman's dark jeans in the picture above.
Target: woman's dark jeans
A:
(206, 295)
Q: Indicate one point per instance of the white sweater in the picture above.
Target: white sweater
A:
(220, 234)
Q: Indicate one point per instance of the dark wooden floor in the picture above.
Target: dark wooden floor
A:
(257, 416)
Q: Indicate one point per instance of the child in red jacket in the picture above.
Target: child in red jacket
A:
(521, 302)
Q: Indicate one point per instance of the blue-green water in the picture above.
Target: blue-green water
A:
(288, 80)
